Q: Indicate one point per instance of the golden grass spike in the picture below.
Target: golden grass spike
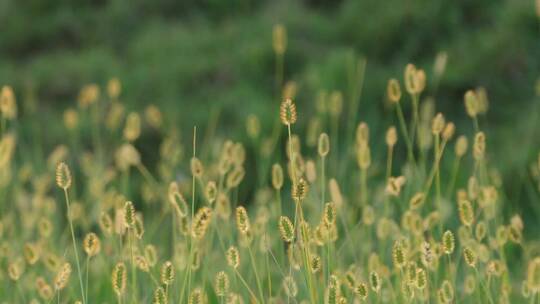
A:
(222, 284)
(91, 244)
(160, 296)
(448, 242)
(393, 90)
(461, 146)
(201, 222)
(63, 176)
(323, 146)
(286, 229)
(469, 256)
(62, 277)
(479, 147)
(129, 214)
(391, 137)
(287, 112)
(290, 287)
(279, 39)
(167, 273)
(119, 278)
(233, 257)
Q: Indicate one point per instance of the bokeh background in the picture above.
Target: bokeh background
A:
(211, 61)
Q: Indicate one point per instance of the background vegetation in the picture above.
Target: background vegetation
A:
(211, 64)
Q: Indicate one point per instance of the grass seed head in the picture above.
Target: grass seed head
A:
(323, 146)
(277, 176)
(391, 137)
(91, 244)
(129, 214)
(533, 275)
(167, 273)
(393, 90)
(300, 190)
(290, 287)
(63, 176)
(119, 278)
(201, 221)
(286, 229)
(469, 256)
(160, 296)
(287, 112)
(466, 212)
(279, 39)
(222, 284)
(242, 220)
(233, 257)
(62, 277)
(461, 146)
(448, 242)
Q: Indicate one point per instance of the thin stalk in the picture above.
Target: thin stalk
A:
(74, 245)
(403, 128)
(254, 265)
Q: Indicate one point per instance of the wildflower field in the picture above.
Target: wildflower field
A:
(309, 201)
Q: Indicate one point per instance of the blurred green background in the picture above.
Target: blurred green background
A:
(192, 57)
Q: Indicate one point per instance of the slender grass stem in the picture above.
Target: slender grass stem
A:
(74, 244)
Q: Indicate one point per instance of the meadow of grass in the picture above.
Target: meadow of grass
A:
(334, 214)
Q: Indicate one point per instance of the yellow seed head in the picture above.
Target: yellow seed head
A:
(300, 190)
(417, 200)
(290, 287)
(242, 220)
(324, 145)
(150, 254)
(233, 257)
(62, 277)
(222, 284)
(287, 112)
(437, 124)
(63, 176)
(447, 291)
(466, 212)
(129, 214)
(197, 296)
(197, 168)
(8, 105)
(533, 275)
(461, 146)
(375, 281)
(31, 253)
(132, 129)
(277, 176)
(279, 39)
(479, 147)
(448, 131)
(469, 256)
(160, 297)
(398, 254)
(393, 90)
(391, 137)
(119, 278)
(315, 263)
(448, 242)
(201, 222)
(211, 191)
(167, 273)
(329, 215)
(286, 229)
(471, 103)
(362, 290)
(421, 278)
(91, 244)
(114, 88)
